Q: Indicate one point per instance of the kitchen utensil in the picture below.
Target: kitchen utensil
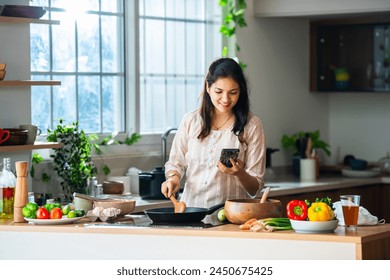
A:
(125, 205)
(191, 215)
(179, 207)
(64, 220)
(32, 133)
(150, 183)
(384, 163)
(2, 74)
(309, 145)
(83, 202)
(126, 180)
(238, 211)
(113, 187)
(17, 136)
(4, 135)
(21, 190)
(265, 195)
(314, 227)
(358, 164)
(373, 172)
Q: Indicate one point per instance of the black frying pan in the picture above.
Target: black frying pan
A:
(191, 215)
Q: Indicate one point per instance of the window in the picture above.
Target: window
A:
(177, 39)
(85, 52)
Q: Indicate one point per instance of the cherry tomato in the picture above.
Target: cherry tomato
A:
(42, 213)
(56, 213)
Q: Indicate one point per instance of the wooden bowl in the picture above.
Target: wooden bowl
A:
(17, 137)
(3, 66)
(125, 205)
(2, 74)
(113, 187)
(238, 211)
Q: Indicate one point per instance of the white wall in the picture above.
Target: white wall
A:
(277, 53)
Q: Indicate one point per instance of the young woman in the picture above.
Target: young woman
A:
(223, 121)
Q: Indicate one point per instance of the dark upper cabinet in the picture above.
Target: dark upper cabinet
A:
(350, 55)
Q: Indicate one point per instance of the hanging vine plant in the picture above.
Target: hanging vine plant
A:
(234, 11)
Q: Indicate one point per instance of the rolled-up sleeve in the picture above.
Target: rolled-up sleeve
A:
(256, 150)
(179, 149)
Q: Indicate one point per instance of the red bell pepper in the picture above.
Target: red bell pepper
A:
(297, 210)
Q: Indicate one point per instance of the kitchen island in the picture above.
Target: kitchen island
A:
(76, 241)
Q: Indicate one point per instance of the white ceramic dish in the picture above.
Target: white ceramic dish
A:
(62, 221)
(314, 227)
(361, 173)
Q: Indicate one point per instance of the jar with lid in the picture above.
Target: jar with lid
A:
(384, 163)
(7, 190)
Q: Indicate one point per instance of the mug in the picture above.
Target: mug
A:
(4, 135)
(33, 131)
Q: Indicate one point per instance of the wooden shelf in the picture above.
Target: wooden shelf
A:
(28, 83)
(27, 20)
(35, 146)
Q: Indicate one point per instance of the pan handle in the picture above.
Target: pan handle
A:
(214, 208)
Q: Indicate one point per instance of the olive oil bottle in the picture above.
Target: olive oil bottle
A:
(7, 190)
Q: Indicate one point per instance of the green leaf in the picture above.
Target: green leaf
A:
(45, 177)
(106, 170)
(222, 3)
(224, 51)
(135, 137)
(36, 158)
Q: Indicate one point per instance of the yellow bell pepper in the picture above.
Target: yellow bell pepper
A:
(320, 212)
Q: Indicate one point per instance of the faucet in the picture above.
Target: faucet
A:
(164, 145)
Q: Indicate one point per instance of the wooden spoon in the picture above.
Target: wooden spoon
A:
(265, 195)
(180, 207)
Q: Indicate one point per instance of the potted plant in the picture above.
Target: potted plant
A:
(297, 142)
(72, 162)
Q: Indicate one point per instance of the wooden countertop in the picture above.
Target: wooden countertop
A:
(364, 233)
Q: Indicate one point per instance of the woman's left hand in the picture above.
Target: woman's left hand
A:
(238, 167)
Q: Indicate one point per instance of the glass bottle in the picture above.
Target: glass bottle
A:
(7, 190)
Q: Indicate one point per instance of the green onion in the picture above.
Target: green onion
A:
(271, 224)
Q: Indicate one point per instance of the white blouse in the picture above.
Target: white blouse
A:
(197, 159)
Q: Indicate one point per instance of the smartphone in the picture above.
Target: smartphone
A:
(227, 154)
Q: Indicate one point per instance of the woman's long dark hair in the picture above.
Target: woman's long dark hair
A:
(225, 68)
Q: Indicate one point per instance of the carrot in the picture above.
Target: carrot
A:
(247, 225)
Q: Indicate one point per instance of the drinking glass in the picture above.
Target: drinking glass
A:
(350, 204)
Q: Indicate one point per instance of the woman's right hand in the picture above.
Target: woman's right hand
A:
(170, 187)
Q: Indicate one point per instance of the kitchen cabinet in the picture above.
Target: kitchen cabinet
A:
(350, 55)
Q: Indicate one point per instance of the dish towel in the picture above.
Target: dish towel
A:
(365, 217)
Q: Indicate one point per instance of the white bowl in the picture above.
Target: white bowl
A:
(314, 227)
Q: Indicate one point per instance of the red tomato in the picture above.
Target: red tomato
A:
(42, 213)
(56, 213)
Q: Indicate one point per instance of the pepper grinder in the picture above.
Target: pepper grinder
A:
(21, 190)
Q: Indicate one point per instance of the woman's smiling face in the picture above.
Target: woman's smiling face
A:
(224, 94)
